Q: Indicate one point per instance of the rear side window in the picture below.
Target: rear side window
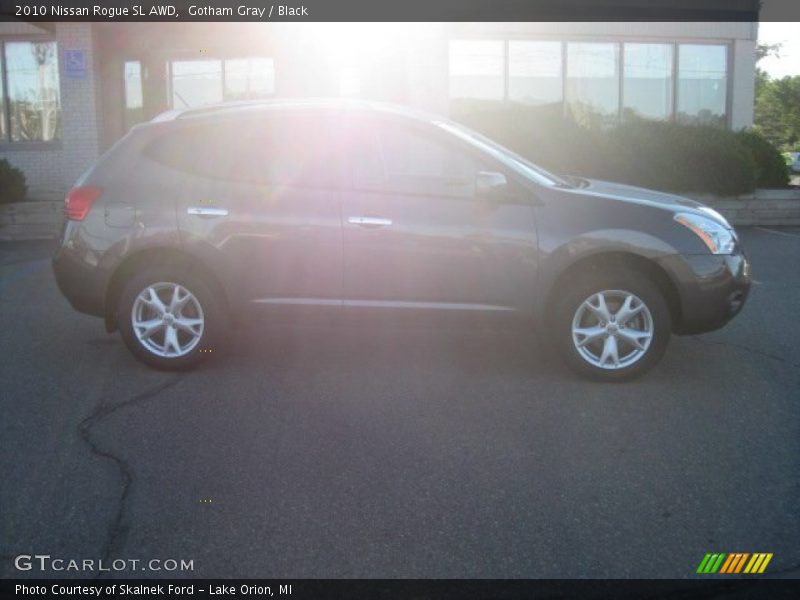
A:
(402, 159)
(291, 150)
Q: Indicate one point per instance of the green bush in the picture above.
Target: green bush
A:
(771, 168)
(12, 183)
(681, 158)
(660, 155)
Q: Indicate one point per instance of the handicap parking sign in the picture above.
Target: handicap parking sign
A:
(75, 64)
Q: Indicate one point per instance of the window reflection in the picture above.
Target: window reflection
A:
(476, 69)
(647, 88)
(702, 83)
(593, 82)
(534, 72)
(33, 95)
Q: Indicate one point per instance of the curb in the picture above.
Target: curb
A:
(33, 220)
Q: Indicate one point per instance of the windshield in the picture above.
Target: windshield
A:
(506, 156)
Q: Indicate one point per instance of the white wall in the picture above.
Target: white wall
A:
(743, 84)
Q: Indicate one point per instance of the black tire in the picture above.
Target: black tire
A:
(582, 286)
(213, 322)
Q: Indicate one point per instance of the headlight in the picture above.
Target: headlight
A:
(718, 238)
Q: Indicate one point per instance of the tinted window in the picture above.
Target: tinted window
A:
(702, 85)
(202, 82)
(647, 86)
(534, 72)
(290, 150)
(402, 159)
(248, 78)
(593, 82)
(196, 82)
(476, 69)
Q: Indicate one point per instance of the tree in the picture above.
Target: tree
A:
(777, 110)
(763, 51)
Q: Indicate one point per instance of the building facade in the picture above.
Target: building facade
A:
(69, 90)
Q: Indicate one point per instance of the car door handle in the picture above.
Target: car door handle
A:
(207, 211)
(370, 221)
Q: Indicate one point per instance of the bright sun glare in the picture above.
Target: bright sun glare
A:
(352, 47)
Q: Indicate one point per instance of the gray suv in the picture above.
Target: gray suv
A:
(199, 220)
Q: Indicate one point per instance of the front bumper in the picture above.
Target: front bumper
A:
(712, 289)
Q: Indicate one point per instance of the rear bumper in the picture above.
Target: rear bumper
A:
(80, 282)
(712, 289)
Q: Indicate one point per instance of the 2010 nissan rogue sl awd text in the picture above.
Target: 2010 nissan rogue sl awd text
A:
(202, 219)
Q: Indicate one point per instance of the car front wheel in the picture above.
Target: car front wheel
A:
(168, 320)
(612, 325)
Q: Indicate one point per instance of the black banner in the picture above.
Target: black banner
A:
(376, 589)
(400, 10)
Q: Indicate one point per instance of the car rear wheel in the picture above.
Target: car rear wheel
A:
(612, 325)
(168, 320)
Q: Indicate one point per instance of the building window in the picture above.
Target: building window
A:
(534, 72)
(134, 105)
(477, 69)
(648, 84)
(249, 78)
(702, 83)
(592, 86)
(31, 99)
(196, 82)
(201, 82)
(604, 80)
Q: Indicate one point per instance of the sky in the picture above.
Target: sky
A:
(786, 34)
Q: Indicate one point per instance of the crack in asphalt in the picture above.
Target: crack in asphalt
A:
(101, 412)
(746, 349)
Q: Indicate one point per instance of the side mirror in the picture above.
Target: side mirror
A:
(490, 184)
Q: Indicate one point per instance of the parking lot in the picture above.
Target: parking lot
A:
(399, 452)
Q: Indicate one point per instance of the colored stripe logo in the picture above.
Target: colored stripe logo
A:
(736, 562)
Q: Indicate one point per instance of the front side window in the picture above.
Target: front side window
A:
(702, 83)
(32, 97)
(593, 82)
(647, 86)
(477, 69)
(404, 160)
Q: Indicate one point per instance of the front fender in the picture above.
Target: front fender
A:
(611, 242)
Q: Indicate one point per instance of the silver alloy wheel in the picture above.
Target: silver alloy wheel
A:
(167, 319)
(612, 329)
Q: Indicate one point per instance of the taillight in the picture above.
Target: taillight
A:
(79, 201)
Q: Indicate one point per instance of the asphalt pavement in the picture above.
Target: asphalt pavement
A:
(326, 451)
